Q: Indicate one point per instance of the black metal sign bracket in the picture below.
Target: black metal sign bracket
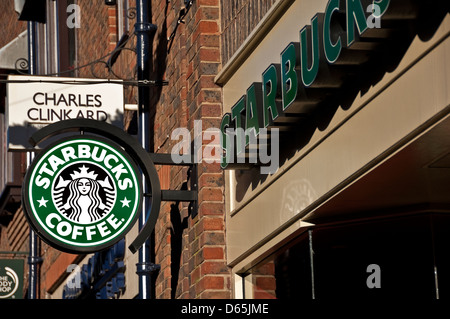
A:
(191, 195)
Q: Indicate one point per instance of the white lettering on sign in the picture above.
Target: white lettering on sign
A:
(64, 228)
(8, 282)
(83, 151)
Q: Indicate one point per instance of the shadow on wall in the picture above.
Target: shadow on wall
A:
(158, 68)
(19, 135)
(158, 100)
(356, 79)
(178, 226)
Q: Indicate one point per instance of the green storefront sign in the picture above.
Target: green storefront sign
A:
(82, 194)
(306, 64)
(11, 278)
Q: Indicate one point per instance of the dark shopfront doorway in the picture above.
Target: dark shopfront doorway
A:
(396, 217)
(409, 258)
(404, 254)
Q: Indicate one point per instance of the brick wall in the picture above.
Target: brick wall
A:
(264, 281)
(191, 251)
(54, 268)
(14, 237)
(9, 24)
(93, 39)
(239, 18)
(98, 37)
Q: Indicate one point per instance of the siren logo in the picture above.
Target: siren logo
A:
(9, 282)
(82, 194)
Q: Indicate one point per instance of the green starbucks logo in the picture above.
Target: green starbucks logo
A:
(82, 194)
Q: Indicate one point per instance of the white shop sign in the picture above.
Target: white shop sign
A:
(34, 102)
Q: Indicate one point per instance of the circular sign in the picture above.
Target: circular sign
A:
(82, 194)
(9, 282)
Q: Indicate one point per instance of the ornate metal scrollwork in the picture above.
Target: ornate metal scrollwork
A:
(21, 66)
(131, 13)
(102, 68)
(109, 60)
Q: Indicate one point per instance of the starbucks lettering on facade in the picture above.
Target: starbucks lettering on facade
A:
(306, 70)
(82, 194)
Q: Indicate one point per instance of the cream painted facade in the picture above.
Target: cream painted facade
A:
(399, 113)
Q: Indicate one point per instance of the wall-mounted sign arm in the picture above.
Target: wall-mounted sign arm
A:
(180, 195)
(166, 159)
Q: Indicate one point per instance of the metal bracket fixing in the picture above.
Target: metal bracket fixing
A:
(145, 27)
(191, 195)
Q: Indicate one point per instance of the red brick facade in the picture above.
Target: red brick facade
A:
(188, 54)
(9, 24)
(191, 251)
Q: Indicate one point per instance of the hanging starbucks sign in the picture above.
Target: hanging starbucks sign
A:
(82, 193)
